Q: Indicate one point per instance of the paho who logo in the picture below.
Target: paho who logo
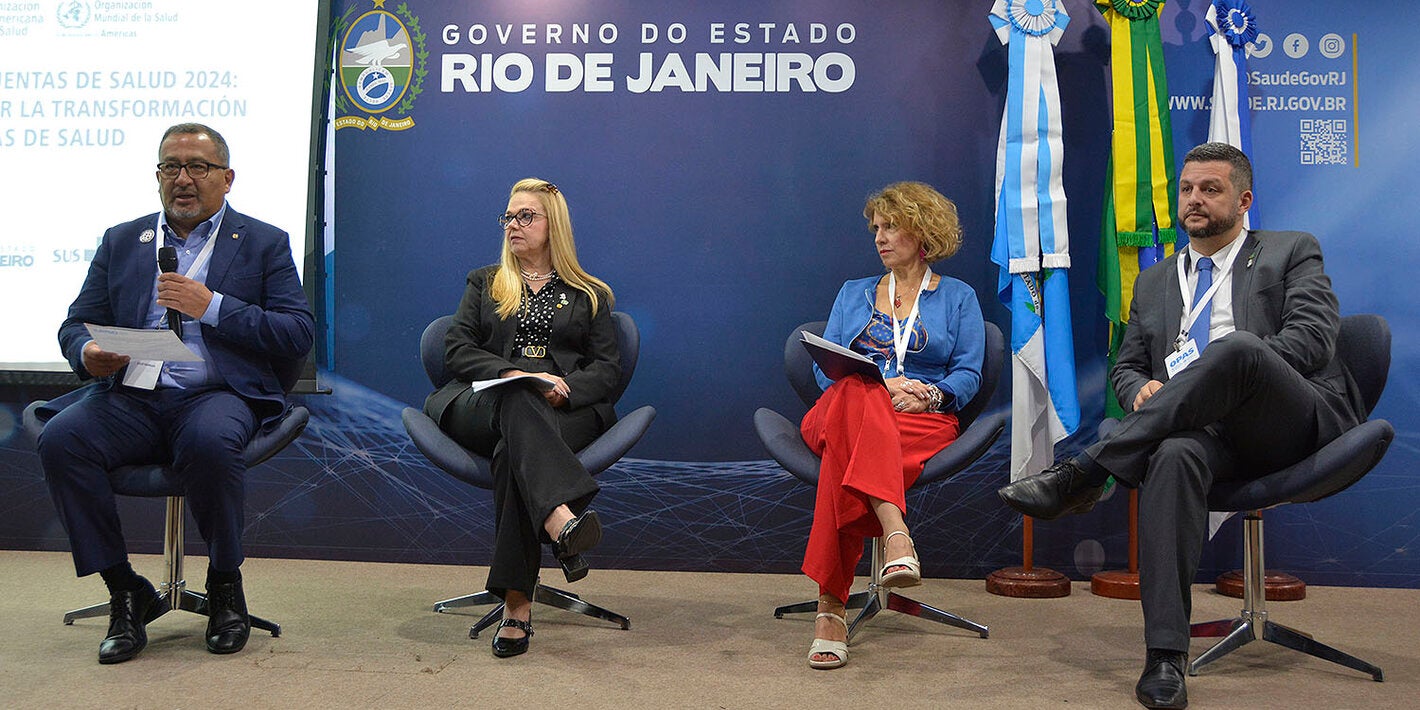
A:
(381, 68)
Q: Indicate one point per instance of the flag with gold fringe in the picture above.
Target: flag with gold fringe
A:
(1141, 192)
(1031, 241)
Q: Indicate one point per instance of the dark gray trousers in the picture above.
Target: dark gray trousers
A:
(1239, 411)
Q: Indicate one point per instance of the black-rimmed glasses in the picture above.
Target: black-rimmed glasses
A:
(524, 217)
(196, 169)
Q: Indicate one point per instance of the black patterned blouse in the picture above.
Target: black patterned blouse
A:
(535, 322)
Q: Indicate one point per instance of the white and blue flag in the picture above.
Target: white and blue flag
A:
(1232, 26)
(1031, 243)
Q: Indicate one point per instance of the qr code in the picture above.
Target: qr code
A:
(1325, 141)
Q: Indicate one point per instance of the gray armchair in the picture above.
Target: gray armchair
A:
(473, 469)
(782, 439)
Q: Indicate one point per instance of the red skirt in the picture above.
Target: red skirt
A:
(868, 450)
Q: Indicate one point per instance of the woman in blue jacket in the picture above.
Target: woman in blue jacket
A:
(925, 332)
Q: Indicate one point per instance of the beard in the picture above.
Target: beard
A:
(171, 208)
(1214, 226)
(184, 214)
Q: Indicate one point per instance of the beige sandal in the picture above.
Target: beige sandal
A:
(838, 649)
(910, 574)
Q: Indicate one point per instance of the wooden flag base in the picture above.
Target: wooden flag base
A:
(1023, 583)
(1122, 584)
(1281, 587)
(1115, 584)
(1028, 581)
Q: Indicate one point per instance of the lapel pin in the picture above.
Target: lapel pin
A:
(234, 235)
(1250, 258)
(146, 236)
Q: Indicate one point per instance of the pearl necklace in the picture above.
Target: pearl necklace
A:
(535, 276)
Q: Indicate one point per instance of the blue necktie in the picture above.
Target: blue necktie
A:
(1199, 331)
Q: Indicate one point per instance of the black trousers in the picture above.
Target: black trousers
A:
(534, 468)
(1239, 411)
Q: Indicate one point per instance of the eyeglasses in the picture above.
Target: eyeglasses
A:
(196, 169)
(524, 217)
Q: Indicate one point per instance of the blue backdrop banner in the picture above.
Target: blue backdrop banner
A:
(716, 157)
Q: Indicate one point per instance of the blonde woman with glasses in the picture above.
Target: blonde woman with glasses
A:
(535, 312)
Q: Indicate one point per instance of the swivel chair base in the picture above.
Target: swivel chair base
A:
(550, 596)
(1245, 629)
(877, 598)
(173, 594)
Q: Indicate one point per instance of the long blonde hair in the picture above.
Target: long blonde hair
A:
(507, 287)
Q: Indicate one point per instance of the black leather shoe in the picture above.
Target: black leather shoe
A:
(506, 647)
(580, 534)
(228, 624)
(1059, 490)
(1161, 684)
(128, 614)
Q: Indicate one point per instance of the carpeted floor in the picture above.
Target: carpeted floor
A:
(364, 635)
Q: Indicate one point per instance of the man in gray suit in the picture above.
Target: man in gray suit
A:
(1229, 370)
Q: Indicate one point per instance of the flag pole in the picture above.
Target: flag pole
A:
(1122, 584)
(1031, 247)
(1028, 581)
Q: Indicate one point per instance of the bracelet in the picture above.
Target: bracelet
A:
(936, 398)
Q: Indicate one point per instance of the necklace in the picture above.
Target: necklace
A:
(535, 276)
(897, 298)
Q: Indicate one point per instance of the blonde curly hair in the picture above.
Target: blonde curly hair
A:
(921, 211)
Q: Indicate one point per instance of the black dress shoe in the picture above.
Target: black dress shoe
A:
(1059, 490)
(228, 624)
(1161, 685)
(506, 647)
(580, 534)
(128, 613)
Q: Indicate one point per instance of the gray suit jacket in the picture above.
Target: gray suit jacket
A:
(1280, 293)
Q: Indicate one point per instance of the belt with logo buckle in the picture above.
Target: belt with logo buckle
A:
(534, 351)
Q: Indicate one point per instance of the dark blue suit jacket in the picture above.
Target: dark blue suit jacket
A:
(264, 329)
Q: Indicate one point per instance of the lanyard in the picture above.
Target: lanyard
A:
(1191, 310)
(900, 337)
(202, 256)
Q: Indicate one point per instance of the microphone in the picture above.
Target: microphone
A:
(167, 263)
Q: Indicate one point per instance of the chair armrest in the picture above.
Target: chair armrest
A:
(608, 448)
(269, 443)
(1329, 471)
(30, 424)
(444, 452)
(970, 446)
(781, 438)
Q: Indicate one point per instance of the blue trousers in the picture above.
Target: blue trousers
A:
(199, 434)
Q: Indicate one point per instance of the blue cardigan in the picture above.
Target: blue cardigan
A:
(956, 336)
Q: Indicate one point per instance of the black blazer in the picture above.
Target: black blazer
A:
(1280, 293)
(479, 346)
